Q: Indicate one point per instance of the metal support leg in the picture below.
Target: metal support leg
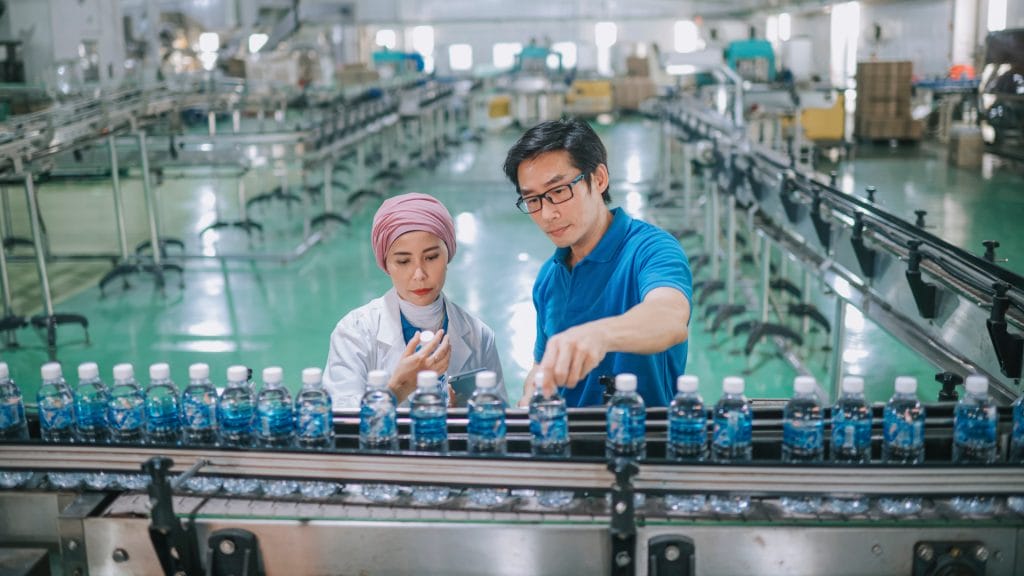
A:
(8, 238)
(838, 344)
(128, 265)
(687, 184)
(48, 320)
(715, 225)
(328, 213)
(730, 273)
(11, 321)
(156, 243)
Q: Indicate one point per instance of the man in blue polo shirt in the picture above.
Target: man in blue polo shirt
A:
(615, 296)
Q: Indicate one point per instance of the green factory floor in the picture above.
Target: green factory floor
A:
(262, 313)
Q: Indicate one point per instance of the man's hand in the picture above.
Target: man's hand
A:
(569, 356)
(433, 356)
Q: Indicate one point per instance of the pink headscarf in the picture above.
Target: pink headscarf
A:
(410, 213)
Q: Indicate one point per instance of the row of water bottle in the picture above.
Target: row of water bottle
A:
(485, 433)
(127, 413)
(974, 437)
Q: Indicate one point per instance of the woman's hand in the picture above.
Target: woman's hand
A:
(432, 356)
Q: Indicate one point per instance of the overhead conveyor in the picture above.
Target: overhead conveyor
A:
(141, 128)
(961, 311)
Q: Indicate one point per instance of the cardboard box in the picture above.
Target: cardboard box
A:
(966, 147)
(629, 93)
(637, 67)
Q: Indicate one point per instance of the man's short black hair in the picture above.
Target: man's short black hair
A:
(586, 151)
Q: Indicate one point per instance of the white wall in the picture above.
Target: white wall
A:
(917, 30)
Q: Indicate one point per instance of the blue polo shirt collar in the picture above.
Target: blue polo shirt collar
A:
(608, 245)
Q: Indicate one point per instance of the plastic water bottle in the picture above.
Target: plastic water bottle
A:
(199, 407)
(1017, 435)
(56, 405)
(687, 437)
(378, 428)
(486, 432)
(274, 419)
(803, 437)
(163, 424)
(549, 435)
(91, 397)
(626, 420)
(1016, 503)
(549, 421)
(12, 408)
(851, 439)
(314, 420)
(687, 422)
(126, 412)
(236, 409)
(428, 413)
(426, 337)
(731, 439)
(974, 439)
(486, 416)
(903, 440)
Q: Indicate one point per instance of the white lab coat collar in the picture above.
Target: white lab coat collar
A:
(390, 334)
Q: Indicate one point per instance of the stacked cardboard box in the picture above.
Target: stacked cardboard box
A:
(966, 146)
(883, 102)
(628, 93)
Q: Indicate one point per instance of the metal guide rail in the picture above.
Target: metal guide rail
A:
(36, 136)
(289, 511)
(959, 310)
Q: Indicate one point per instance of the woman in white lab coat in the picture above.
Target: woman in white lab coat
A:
(413, 240)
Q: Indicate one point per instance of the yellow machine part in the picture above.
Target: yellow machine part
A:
(499, 107)
(822, 124)
(589, 89)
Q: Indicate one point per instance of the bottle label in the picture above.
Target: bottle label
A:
(162, 416)
(851, 435)
(429, 429)
(237, 419)
(276, 421)
(487, 426)
(975, 430)
(549, 429)
(56, 414)
(687, 431)
(199, 412)
(626, 426)
(803, 436)
(903, 432)
(125, 413)
(732, 429)
(377, 424)
(91, 415)
(12, 413)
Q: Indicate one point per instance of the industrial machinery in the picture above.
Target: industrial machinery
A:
(228, 511)
(753, 60)
(1002, 93)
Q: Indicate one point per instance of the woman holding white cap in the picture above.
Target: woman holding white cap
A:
(413, 240)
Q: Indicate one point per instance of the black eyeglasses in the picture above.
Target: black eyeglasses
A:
(563, 193)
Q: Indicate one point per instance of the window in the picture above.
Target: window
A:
(845, 25)
(209, 42)
(257, 41)
(504, 54)
(423, 42)
(785, 27)
(687, 37)
(568, 52)
(386, 39)
(460, 57)
(996, 15)
(605, 36)
(771, 29)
